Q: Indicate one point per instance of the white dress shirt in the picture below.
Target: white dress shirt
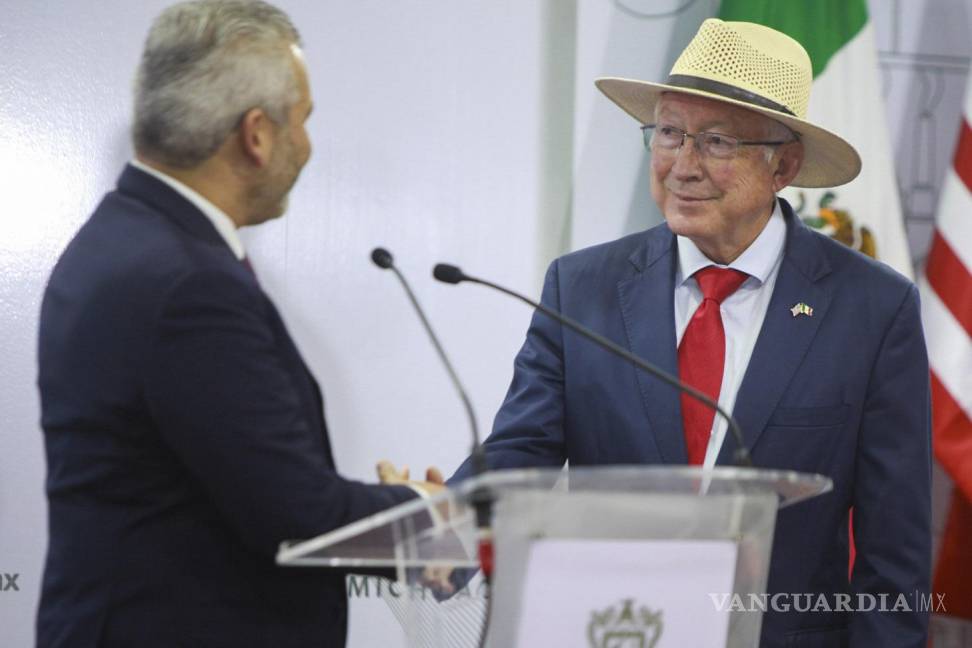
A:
(223, 224)
(742, 312)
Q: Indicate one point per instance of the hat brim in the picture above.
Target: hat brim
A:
(828, 159)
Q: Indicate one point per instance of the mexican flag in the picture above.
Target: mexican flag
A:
(846, 99)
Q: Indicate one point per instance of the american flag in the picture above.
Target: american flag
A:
(947, 317)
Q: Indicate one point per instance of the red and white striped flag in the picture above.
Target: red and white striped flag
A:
(947, 318)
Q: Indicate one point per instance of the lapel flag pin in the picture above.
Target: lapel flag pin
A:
(802, 309)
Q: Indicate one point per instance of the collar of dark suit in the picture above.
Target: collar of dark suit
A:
(141, 186)
(802, 249)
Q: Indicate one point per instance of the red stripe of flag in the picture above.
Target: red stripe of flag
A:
(951, 280)
(963, 155)
(953, 449)
(952, 439)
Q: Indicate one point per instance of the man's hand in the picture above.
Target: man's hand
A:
(389, 474)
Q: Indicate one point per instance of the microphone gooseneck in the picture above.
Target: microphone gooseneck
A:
(383, 259)
(453, 275)
(481, 499)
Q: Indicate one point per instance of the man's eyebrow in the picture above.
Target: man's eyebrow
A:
(719, 124)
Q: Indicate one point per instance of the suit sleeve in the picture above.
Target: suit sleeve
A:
(225, 403)
(529, 428)
(892, 493)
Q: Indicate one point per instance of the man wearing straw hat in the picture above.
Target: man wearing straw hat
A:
(816, 349)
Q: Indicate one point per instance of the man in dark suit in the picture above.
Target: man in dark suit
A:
(185, 436)
(816, 349)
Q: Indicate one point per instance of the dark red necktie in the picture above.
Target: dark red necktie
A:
(249, 266)
(702, 356)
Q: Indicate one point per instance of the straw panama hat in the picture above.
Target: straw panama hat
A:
(753, 67)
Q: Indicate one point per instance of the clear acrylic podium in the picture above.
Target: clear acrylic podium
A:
(600, 557)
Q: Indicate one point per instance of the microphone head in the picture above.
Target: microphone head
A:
(448, 273)
(382, 258)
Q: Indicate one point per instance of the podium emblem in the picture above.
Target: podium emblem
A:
(624, 626)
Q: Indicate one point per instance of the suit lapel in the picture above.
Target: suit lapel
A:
(784, 339)
(648, 313)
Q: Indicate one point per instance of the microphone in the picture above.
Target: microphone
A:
(382, 258)
(448, 273)
(453, 275)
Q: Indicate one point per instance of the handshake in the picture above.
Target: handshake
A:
(389, 474)
(438, 579)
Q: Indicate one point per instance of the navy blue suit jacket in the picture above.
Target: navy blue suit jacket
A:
(185, 440)
(844, 393)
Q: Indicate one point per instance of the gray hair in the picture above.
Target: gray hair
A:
(205, 64)
(775, 131)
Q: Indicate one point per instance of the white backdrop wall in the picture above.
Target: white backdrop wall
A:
(461, 131)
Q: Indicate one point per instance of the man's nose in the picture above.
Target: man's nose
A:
(688, 161)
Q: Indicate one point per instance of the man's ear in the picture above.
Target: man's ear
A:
(256, 137)
(788, 163)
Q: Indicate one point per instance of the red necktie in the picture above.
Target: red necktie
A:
(702, 356)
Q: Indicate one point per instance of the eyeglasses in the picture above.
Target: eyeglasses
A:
(665, 138)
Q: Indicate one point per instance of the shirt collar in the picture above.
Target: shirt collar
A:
(757, 260)
(223, 224)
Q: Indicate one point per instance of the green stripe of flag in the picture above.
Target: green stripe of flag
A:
(821, 26)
